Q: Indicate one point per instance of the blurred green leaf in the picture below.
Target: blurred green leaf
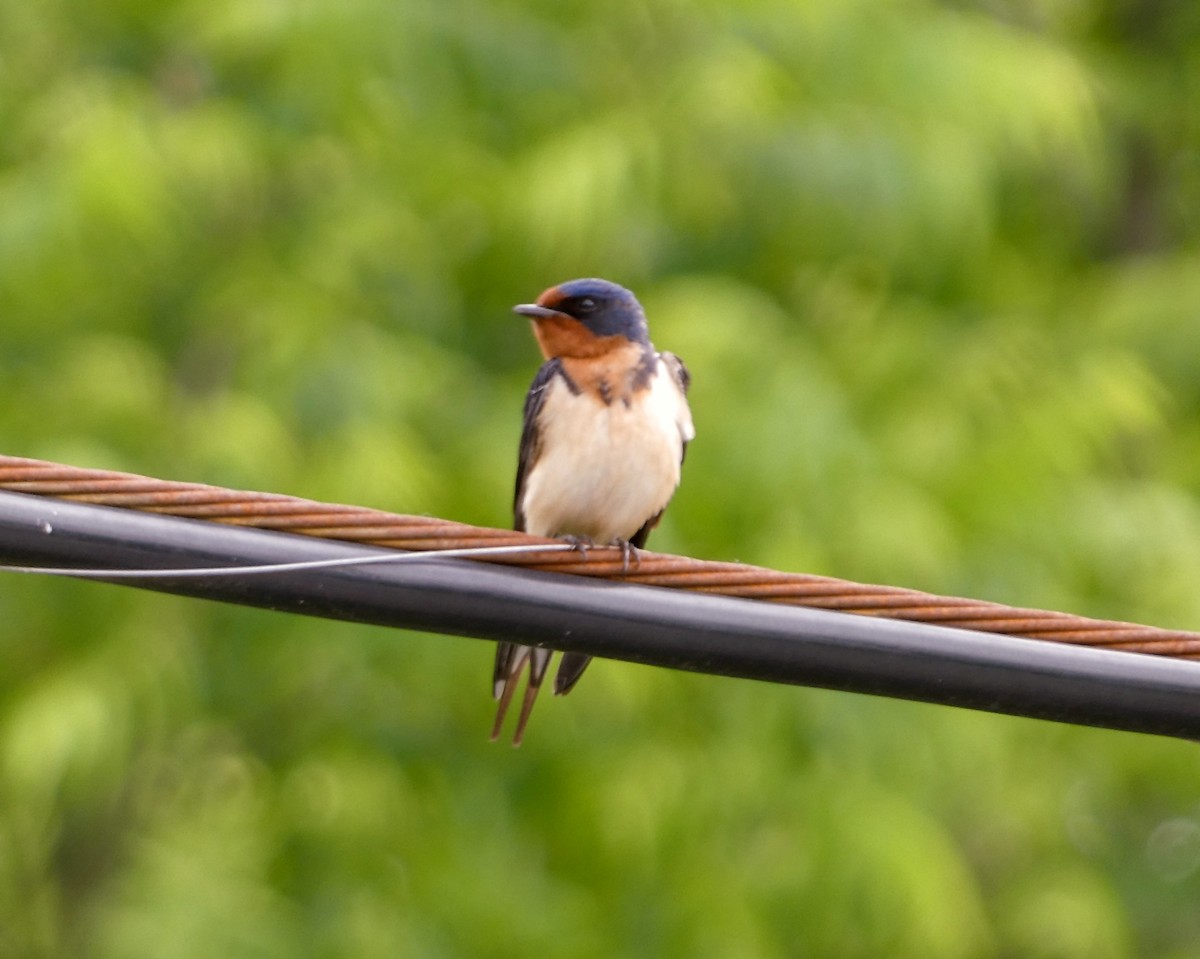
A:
(934, 268)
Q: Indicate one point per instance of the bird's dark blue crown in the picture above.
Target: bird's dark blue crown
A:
(605, 308)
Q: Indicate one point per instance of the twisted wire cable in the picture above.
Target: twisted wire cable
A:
(275, 511)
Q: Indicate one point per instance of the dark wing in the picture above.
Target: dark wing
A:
(512, 657)
(678, 370)
(531, 435)
(638, 539)
(683, 379)
(570, 668)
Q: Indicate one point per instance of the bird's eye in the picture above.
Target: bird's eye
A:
(586, 305)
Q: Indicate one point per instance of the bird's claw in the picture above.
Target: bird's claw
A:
(628, 552)
(580, 543)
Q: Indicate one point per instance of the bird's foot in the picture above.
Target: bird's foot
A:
(580, 543)
(628, 552)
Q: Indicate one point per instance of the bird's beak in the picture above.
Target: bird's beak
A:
(534, 311)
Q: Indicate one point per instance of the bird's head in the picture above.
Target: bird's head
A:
(582, 318)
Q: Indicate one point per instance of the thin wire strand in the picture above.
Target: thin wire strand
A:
(200, 572)
(427, 534)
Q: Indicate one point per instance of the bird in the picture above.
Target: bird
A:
(606, 427)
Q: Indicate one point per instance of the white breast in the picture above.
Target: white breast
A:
(604, 470)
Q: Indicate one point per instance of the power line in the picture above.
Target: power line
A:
(715, 634)
(363, 525)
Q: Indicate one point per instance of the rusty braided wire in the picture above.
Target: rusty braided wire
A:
(275, 511)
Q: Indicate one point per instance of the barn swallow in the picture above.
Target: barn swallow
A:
(606, 426)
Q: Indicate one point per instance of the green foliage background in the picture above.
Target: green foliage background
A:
(934, 267)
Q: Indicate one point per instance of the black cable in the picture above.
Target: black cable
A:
(701, 633)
